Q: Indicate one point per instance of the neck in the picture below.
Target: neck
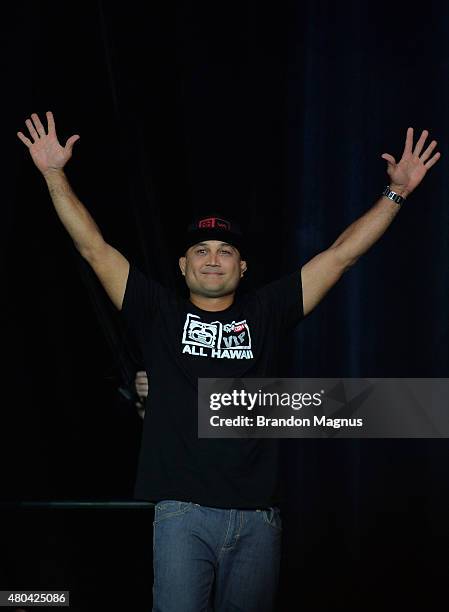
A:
(213, 304)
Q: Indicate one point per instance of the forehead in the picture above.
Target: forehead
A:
(211, 244)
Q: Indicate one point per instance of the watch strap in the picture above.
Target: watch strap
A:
(392, 195)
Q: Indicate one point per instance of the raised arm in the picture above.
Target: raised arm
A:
(325, 269)
(50, 157)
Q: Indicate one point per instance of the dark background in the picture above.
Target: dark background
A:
(276, 113)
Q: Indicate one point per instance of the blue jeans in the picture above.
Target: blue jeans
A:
(215, 559)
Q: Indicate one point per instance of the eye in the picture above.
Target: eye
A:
(226, 251)
(200, 251)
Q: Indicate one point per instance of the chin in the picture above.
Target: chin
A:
(209, 291)
(213, 292)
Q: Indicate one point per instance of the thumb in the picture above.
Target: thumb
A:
(71, 141)
(389, 158)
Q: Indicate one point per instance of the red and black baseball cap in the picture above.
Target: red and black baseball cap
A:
(213, 227)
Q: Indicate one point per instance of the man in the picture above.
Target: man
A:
(217, 527)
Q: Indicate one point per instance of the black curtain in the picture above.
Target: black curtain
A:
(277, 114)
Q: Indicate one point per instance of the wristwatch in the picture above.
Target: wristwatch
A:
(392, 195)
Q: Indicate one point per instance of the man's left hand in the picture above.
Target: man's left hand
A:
(406, 175)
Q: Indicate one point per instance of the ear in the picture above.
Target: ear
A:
(182, 265)
(243, 267)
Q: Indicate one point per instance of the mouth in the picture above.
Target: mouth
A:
(212, 273)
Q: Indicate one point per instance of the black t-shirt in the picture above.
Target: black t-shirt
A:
(180, 343)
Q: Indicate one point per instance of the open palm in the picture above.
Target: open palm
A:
(414, 163)
(44, 148)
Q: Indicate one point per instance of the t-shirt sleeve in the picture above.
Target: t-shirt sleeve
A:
(140, 303)
(282, 299)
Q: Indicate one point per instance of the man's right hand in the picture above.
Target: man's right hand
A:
(110, 266)
(45, 150)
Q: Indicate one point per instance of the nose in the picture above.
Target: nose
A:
(212, 259)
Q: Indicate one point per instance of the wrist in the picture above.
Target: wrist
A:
(401, 190)
(50, 172)
(393, 195)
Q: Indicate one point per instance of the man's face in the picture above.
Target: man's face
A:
(212, 268)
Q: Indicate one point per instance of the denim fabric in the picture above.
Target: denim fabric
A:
(215, 559)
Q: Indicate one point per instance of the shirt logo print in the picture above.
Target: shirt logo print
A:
(216, 339)
(201, 334)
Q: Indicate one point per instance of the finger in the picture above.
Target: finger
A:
(408, 142)
(425, 156)
(433, 160)
(420, 143)
(51, 123)
(71, 141)
(389, 158)
(24, 139)
(38, 124)
(30, 126)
